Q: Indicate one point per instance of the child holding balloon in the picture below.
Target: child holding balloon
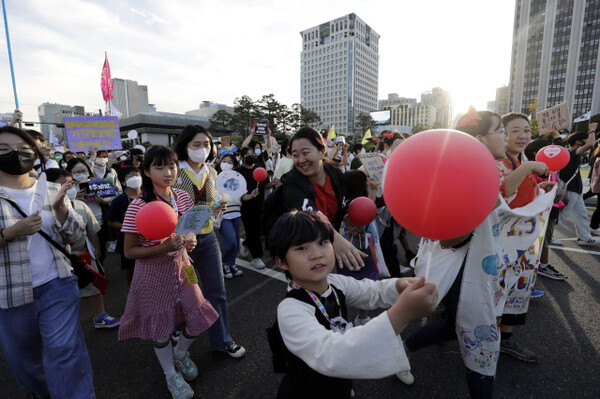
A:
(163, 290)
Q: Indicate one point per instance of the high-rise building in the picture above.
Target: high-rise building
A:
(339, 71)
(407, 114)
(395, 99)
(129, 97)
(442, 101)
(500, 104)
(46, 113)
(555, 55)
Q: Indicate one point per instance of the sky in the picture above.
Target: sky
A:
(216, 50)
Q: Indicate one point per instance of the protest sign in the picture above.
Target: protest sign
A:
(193, 220)
(231, 185)
(225, 141)
(100, 188)
(99, 132)
(374, 164)
(556, 117)
(261, 127)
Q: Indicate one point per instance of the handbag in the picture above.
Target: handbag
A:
(85, 273)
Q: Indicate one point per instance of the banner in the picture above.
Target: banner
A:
(106, 83)
(374, 165)
(556, 117)
(100, 132)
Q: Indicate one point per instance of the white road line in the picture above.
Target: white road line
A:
(575, 250)
(266, 271)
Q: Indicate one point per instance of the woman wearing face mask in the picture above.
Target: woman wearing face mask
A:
(40, 337)
(101, 170)
(131, 179)
(230, 225)
(194, 148)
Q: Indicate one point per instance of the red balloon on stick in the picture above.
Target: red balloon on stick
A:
(362, 211)
(441, 184)
(156, 220)
(555, 157)
(259, 174)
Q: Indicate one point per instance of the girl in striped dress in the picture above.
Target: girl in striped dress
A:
(161, 294)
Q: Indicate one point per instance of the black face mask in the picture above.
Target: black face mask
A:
(17, 163)
(249, 159)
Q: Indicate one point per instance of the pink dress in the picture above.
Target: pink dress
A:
(160, 296)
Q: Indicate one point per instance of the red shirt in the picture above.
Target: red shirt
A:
(526, 192)
(325, 199)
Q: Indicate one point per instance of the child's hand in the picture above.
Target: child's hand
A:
(418, 299)
(190, 242)
(173, 243)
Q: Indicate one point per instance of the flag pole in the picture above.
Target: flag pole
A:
(12, 71)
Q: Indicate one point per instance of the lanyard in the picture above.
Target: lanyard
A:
(318, 303)
(173, 201)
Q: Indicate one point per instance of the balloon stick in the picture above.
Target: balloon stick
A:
(429, 252)
(12, 71)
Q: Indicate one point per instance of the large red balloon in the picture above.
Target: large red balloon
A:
(156, 220)
(555, 157)
(441, 184)
(362, 211)
(259, 174)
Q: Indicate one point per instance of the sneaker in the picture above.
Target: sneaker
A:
(236, 272)
(551, 272)
(244, 251)
(106, 321)
(258, 263)
(595, 232)
(509, 346)
(588, 241)
(360, 321)
(234, 350)
(556, 241)
(406, 377)
(227, 272)
(537, 293)
(186, 367)
(179, 388)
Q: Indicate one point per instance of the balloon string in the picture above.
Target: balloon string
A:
(429, 252)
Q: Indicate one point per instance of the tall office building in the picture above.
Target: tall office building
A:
(500, 104)
(555, 55)
(442, 101)
(129, 97)
(46, 114)
(339, 71)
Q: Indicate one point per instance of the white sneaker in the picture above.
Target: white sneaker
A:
(244, 251)
(258, 263)
(556, 241)
(406, 377)
(595, 232)
(588, 241)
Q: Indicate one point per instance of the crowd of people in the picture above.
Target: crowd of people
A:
(300, 214)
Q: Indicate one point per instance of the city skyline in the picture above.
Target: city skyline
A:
(223, 50)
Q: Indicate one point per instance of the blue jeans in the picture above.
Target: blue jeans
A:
(230, 239)
(207, 262)
(43, 343)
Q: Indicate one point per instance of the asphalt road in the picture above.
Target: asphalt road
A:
(563, 327)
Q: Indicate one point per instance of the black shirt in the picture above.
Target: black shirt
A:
(572, 168)
(254, 204)
(116, 213)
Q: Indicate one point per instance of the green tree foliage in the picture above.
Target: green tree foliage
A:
(533, 123)
(300, 116)
(245, 112)
(363, 123)
(274, 111)
(219, 121)
(419, 127)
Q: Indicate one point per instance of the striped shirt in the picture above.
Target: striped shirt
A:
(182, 199)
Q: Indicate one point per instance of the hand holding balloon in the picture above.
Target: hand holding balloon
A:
(156, 220)
(554, 156)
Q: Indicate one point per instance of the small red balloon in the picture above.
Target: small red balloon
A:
(259, 174)
(441, 184)
(555, 157)
(156, 220)
(362, 211)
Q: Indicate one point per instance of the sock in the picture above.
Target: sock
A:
(164, 353)
(543, 265)
(505, 336)
(184, 343)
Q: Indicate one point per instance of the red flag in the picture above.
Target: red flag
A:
(106, 83)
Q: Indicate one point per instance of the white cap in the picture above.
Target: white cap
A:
(141, 147)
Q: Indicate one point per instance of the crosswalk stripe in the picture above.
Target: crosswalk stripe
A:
(266, 271)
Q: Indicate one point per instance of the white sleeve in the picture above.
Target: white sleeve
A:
(370, 351)
(366, 294)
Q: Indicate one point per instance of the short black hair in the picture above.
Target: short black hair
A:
(357, 147)
(36, 135)
(53, 174)
(27, 138)
(74, 161)
(532, 148)
(311, 135)
(136, 151)
(579, 136)
(231, 157)
(481, 127)
(295, 228)
(157, 155)
(355, 185)
(511, 116)
(186, 136)
(126, 170)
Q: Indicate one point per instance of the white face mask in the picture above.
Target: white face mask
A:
(257, 151)
(134, 182)
(362, 152)
(198, 156)
(72, 193)
(101, 161)
(123, 158)
(63, 165)
(226, 166)
(80, 176)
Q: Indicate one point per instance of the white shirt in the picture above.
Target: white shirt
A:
(369, 351)
(43, 265)
(186, 165)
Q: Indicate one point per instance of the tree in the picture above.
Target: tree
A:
(244, 114)
(299, 116)
(363, 123)
(419, 127)
(272, 110)
(533, 123)
(219, 121)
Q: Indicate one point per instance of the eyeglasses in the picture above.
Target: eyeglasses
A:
(23, 148)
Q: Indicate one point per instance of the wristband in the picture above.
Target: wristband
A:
(4, 238)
